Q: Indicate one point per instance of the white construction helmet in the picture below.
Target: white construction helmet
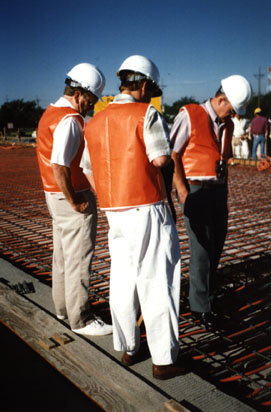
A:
(238, 91)
(87, 76)
(143, 68)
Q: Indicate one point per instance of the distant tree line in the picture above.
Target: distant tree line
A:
(22, 115)
(170, 112)
(26, 115)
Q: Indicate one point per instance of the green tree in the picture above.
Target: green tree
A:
(22, 114)
(170, 112)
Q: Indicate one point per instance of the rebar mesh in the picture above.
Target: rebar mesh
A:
(236, 356)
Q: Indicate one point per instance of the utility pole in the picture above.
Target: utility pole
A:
(162, 86)
(259, 76)
(269, 79)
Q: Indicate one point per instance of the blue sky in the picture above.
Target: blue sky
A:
(194, 43)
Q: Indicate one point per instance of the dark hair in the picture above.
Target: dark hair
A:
(126, 82)
(132, 85)
(135, 85)
(219, 92)
(69, 91)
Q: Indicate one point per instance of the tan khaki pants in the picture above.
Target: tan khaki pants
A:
(74, 236)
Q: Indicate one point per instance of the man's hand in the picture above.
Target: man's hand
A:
(62, 175)
(79, 204)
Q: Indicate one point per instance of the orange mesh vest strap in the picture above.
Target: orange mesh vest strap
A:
(123, 175)
(47, 125)
(203, 150)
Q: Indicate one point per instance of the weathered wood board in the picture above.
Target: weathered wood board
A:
(101, 378)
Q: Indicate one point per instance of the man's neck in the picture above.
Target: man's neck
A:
(70, 99)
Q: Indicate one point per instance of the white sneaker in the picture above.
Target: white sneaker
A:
(96, 328)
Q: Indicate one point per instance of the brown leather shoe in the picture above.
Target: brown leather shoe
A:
(164, 372)
(129, 360)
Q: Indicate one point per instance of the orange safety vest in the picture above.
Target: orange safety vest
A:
(123, 175)
(47, 125)
(203, 149)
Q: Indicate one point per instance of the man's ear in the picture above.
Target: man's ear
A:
(77, 95)
(143, 87)
(145, 92)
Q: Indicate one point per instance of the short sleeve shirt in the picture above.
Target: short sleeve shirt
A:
(67, 137)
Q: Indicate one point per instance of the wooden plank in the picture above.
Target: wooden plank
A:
(173, 406)
(47, 343)
(62, 338)
(102, 379)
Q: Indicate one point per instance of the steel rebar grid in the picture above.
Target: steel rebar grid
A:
(236, 356)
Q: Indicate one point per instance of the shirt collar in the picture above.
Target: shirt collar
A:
(62, 102)
(124, 98)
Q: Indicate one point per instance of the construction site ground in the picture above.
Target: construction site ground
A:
(228, 368)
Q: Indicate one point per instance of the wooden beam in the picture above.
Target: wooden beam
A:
(102, 379)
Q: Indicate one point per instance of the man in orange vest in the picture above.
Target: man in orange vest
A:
(71, 203)
(128, 143)
(201, 139)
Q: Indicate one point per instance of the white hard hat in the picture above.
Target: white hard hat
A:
(143, 68)
(238, 91)
(87, 76)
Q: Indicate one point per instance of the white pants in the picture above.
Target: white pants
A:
(145, 272)
(241, 149)
(245, 149)
(74, 237)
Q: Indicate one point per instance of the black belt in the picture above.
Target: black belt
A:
(207, 183)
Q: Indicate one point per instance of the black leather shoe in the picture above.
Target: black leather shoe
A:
(217, 306)
(208, 319)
